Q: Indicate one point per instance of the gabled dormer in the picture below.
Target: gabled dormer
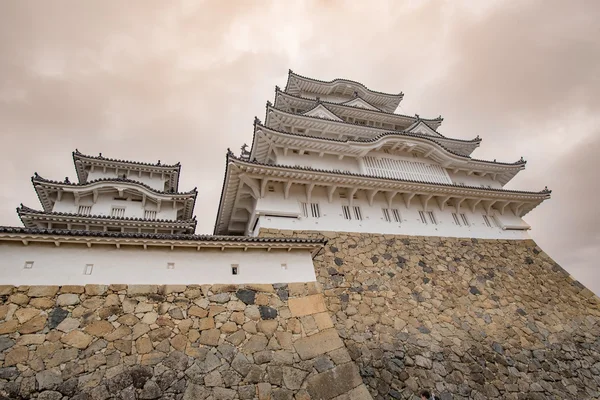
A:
(320, 111)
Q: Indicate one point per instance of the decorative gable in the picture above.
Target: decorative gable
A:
(422, 128)
(358, 102)
(321, 112)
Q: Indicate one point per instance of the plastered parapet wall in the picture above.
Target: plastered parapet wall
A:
(189, 342)
(466, 318)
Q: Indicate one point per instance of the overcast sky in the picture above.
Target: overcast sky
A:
(149, 80)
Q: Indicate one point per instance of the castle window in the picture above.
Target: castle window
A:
(284, 266)
(271, 188)
(149, 214)
(487, 221)
(386, 215)
(310, 210)
(422, 215)
(432, 217)
(170, 265)
(456, 220)
(346, 211)
(343, 195)
(84, 210)
(389, 214)
(28, 265)
(88, 269)
(235, 269)
(464, 219)
(357, 213)
(117, 212)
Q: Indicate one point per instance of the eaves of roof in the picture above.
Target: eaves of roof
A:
(38, 179)
(24, 210)
(78, 154)
(385, 135)
(28, 235)
(375, 178)
(278, 90)
(272, 107)
(342, 80)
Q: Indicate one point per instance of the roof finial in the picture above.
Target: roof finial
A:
(158, 162)
(100, 155)
(290, 71)
(35, 174)
(355, 93)
(229, 152)
(521, 159)
(269, 104)
(67, 179)
(477, 137)
(256, 121)
(277, 89)
(494, 160)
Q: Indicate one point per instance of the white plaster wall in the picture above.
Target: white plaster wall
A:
(65, 265)
(156, 182)
(326, 97)
(473, 180)
(105, 202)
(327, 162)
(373, 221)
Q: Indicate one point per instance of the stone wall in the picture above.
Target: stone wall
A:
(191, 342)
(466, 318)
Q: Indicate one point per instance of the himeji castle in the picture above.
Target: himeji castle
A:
(334, 156)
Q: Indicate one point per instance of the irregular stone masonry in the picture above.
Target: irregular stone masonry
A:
(465, 318)
(172, 342)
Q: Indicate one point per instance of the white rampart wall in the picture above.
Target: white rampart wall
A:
(106, 201)
(155, 182)
(65, 265)
(275, 212)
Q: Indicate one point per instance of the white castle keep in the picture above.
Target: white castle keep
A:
(333, 156)
(330, 156)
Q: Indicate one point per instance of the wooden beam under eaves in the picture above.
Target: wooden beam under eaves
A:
(407, 199)
(442, 200)
(330, 192)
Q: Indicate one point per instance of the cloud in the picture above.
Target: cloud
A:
(153, 80)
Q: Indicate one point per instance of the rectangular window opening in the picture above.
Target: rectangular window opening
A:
(386, 215)
(84, 210)
(315, 210)
(271, 188)
(28, 265)
(423, 219)
(456, 220)
(487, 221)
(304, 207)
(346, 211)
(149, 214)
(464, 219)
(284, 266)
(170, 265)
(357, 213)
(235, 269)
(432, 217)
(88, 269)
(117, 212)
(396, 215)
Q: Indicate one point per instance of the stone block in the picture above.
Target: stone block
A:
(168, 289)
(33, 325)
(317, 344)
(140, 290)
(323, 321)
(78, 289)
(334, 382)
(307, 305)
(95, 290)
(67, 299)
(6, 290)
(42, 291)
(76, 339)
(260, 287)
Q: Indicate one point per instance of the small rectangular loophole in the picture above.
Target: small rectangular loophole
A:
(284, 266)
(170, 265)
(235, 269)
(28, 265)
(88, 269)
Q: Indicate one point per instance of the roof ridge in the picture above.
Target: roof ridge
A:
(102, 158)
(395, 133)
(382, 178)
(39, 178)
(290, 73)
(165, 236)
(370, 127)
(25, 209)
(277, 89)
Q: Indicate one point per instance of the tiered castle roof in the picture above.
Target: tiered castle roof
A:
(343, 118)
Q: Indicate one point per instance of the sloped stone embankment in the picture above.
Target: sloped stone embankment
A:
(172, 342)
(470, 319)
